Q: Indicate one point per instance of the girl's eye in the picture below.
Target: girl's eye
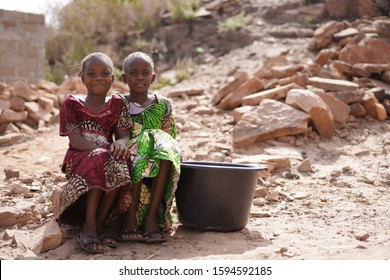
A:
(94, 75)
(134, 73)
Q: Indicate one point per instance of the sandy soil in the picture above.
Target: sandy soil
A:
(339, 210)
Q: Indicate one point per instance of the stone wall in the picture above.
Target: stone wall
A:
(22, 52)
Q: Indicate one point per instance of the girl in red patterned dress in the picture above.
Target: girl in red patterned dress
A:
(95, 165)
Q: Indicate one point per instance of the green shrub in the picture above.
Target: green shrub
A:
(111, 26)
(239, 21)
(183, 69)
(160, 83)
(183, 10)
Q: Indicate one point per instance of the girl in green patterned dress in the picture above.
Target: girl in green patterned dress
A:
(155, 155)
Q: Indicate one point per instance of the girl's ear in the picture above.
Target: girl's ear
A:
(153, 78)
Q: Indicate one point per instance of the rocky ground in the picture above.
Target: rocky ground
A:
(335, 206)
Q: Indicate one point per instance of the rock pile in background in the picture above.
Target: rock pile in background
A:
(345, 80)
(349, 78)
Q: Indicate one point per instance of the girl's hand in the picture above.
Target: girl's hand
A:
(119, 150)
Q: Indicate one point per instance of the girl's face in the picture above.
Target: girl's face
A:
(138, 75)
(97, 76)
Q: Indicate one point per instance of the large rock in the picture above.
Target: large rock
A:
(232, 84)
(348, 96)
(324, 56)
(382, 25)
(323, 35)
(274, 93)
(19, 214)
(238, 112)
(373, 107)
(339, 109)
(348, 69)
(357, 110)
(9, 115)
(47, 86)
(36, 112)
(13, 138)
(348, 32)
(186, 91)
(234, 99)
(372, 68)
(272, 162)
(349, 8)
(44, 238)
(301, 79)
(372, 50)
(269, 120)
(46, 104)
(21, 89)
(311, 103)
(283, 71)
(17, 104)
(332, 84)
(51, 236)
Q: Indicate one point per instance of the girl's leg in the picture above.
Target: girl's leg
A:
(159, 187)
(130, 223)
(106, 205)
(89, 228)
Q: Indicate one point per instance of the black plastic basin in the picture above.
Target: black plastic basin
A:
(215, 196)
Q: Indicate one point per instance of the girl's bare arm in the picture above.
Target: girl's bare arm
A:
(78, 142)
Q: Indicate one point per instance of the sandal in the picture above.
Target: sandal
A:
(107, 240)
(154, 236)
(134, 235)
(84, 241)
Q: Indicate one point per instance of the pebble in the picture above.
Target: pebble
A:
(11, 173)
(19, 189)
(362, 236)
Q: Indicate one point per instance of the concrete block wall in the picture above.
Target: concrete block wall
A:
(22, 46)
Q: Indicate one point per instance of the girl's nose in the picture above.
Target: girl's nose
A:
(100, 76)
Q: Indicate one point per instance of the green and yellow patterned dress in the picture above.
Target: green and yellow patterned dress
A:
(153, 140)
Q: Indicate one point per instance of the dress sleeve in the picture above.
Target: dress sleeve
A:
(69, 121)
(168, 121)
(124, 120)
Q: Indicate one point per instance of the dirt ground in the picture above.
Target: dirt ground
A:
(315, 216)
(338, 211)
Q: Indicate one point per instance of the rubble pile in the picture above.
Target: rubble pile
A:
(348, 78)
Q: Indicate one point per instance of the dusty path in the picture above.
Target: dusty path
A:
(338, 211)
(314, 217)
